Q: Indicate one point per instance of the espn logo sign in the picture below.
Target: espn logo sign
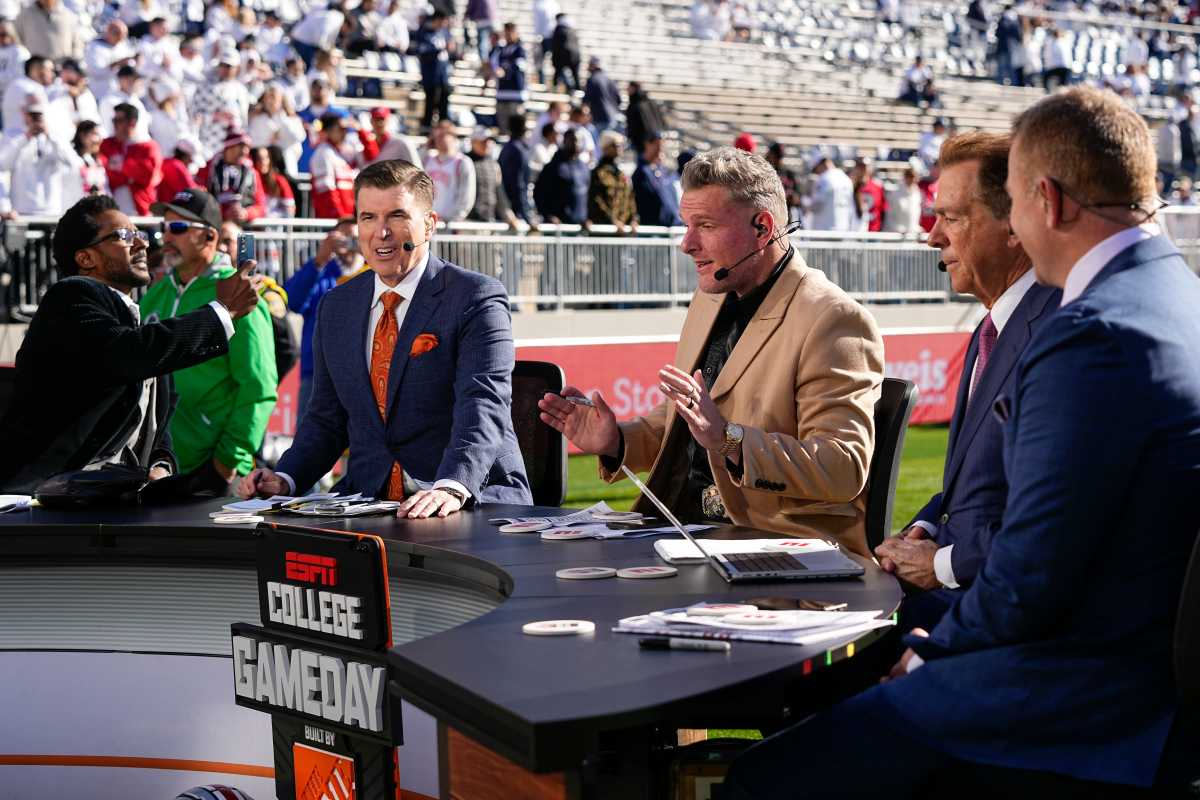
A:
(308, 568)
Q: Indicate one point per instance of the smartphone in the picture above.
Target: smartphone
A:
(245, 249)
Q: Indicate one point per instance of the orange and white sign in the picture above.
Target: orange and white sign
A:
(321, 775)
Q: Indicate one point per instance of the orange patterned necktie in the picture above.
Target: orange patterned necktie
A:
(382, 346)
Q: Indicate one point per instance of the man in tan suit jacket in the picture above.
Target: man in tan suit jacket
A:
(768, 419)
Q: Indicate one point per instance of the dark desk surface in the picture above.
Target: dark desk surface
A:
(538, 700)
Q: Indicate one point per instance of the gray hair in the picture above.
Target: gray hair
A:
(750, 180)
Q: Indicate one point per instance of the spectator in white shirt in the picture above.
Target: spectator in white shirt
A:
(87, 174)
(107, 54)
(193, 69)
(26, 91)
(832, 199)
(13, 54)
(272, 39)
(318, 31)
(48, 29)
(128, 90)
(220, 104)
(71, 101)
(160, 52)
(169, 120)
(1056, 61)
(452, 173)
(295, 84)
(904, 205)
(543, 150)
(545, 13)
(930, 143)
(392, 35)
(38, 166)
(137, 14)
(274, 122)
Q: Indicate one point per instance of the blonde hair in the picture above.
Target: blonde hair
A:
(1098, 148)
(748, 178)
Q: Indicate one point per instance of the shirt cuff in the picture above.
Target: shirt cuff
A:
(928, 527)
(289, 481)
(450, 483)
(943, 568)
(913, 663)
(223, 315)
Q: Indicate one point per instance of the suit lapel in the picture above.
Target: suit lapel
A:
(1009, 347)
(769, 317)
(961, 398)
(424, 302)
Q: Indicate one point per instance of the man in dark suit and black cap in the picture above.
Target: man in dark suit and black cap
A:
(92, 382)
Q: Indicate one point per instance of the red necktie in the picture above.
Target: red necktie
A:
(987, 340)
(382, 346)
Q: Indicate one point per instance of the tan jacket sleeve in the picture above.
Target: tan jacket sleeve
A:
(838, 383)
(643, 438)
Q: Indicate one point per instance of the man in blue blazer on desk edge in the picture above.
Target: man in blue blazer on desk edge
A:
(412, 369)
(943, 548)
(1054, 667)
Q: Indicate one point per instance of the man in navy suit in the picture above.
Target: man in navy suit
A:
(1054, 667)
(412, 369)
(943, 548)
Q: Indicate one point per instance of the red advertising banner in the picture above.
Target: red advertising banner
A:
(626, 372)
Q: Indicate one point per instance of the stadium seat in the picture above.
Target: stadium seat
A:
(895, 406)
(543, 448)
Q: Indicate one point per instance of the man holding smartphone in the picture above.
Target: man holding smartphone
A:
(224, 404)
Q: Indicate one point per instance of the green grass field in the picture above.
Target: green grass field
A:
(920, 476)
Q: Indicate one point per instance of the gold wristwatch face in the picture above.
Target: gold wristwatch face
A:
(733, 434)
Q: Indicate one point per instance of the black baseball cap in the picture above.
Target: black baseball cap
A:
(194, 204)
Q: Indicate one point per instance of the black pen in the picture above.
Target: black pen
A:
(663, 643)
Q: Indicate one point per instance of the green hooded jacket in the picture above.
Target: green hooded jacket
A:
(225, 403)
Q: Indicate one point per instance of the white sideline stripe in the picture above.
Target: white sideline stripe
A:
(574, 341)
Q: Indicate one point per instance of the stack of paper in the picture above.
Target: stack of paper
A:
(15, 502)
(574, 518)
(313, 505)
(681, 551)
(795, 627)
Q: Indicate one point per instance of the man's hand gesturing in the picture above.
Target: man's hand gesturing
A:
(591, 428)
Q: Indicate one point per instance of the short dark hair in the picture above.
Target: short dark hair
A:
(79, 227)
(128, 111)
(32, 62)
(396, 172)
(81, 130)
(331, 121)
(517, 126)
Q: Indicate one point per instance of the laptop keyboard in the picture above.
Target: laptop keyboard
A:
(765, 562)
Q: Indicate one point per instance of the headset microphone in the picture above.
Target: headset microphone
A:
(942, 266)
(409, 246)
(791, 228)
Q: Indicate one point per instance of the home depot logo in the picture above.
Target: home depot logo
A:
(308, 568)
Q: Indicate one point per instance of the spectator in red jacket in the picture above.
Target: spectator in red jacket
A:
(232, 179)
(177, 170)
(134, 168)
(281, 201)
(332, 176)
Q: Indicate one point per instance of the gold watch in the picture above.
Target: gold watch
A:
(733, 438)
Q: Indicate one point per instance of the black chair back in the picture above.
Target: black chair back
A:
(895, 406)
(8, 387)
(1187, 635)
(543, 448)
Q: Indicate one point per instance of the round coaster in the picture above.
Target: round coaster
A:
(586, 573)
(647, 572)
(616, 516)
(720, 610)
(565, 535)
(790, 545)
(558, 627)
(755, 618)
(237, 519)
(524, 527)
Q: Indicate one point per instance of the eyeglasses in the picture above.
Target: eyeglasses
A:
(178, 226)
(125, 236)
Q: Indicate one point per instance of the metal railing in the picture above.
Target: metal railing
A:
(557, 267)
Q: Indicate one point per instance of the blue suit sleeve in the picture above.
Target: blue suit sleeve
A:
(929, 513)
(323, 432)
(1065, 485)
(482, 389)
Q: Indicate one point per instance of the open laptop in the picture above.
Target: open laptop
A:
(748, 567)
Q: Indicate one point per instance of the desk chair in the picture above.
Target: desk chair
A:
(897, 400)
(543, 448)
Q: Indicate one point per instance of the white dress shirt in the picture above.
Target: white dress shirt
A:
(1001, 311)
(1093, 261)
(406, 288)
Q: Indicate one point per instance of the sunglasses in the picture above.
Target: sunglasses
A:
(178, 226)
(125, 236)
